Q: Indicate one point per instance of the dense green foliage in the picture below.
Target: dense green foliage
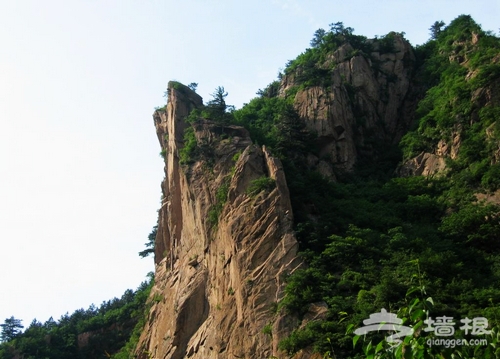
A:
(273, 121)
(260, 184)
(215, 110)
(424, 344)
(368, 236)
(188, 152)
(92, 333)
(369, 266)
(460, 71)
(11, 328)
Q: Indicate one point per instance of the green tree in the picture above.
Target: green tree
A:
(318, 38)
(10, 329)
(338, 28)
(436, 29)
(217, 106)
(150, 244)
(292, 134)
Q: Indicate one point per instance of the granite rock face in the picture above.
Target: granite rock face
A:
(221, 253)
(368, 98)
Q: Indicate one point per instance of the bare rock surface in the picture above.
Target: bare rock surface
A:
(217, 284)
(425, 164)
(369, 99)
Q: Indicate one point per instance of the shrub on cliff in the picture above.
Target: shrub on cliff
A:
(260, 184)
(188, 152)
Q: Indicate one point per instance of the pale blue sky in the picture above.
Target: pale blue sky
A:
(80, 170)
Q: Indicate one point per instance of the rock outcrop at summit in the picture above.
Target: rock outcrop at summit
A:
(221, 253)
(364, 99)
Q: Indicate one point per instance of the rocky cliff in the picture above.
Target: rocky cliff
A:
(469, 114)
(364, 99)
(225, 243)
(221, 252)
(225, 240)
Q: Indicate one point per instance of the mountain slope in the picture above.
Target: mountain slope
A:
(345, 120)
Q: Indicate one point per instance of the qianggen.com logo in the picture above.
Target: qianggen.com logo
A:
(445, 327)
(452, 343)
(441, 327)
